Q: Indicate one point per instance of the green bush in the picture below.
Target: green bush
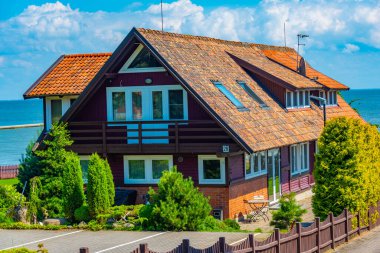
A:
(34, 207)
(289, 212)
(9, 197)
(94, 226)
(97, 187)
(232, 224)
(73, 195)
(82, 214)
(177, 204)
(110, 183)
(347, 168)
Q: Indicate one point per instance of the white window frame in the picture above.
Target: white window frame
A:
(201, 178)
(306, 99)
(301, 168)
(326, 95)
(148, 167)
(126, 69)
(65, 106)
(147, 101)
(84, 158)
(262, 170)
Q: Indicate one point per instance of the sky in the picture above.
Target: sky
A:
(343, 42)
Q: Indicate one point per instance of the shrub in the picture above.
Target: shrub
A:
(34, 207)
(9, 197)
(232, 224)
(94, 226)
(110, 183)
(97, 187)
(347, 168)
(177, 204)
(82, 214)
(289, 212)
(73, 195)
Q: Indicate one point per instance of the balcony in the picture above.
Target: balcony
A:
(150, 137)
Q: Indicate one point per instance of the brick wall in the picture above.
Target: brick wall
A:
(245, 190)
(218, 198)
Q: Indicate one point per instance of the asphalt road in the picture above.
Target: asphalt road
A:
(71, 241)
(367, 243)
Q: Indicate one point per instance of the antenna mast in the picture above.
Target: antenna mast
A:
(300, 36)
(162, 18)
(285, 33)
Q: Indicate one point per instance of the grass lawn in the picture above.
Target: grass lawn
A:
(11, 181)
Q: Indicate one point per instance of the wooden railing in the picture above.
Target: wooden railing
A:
(133, 135)
(8, 171)
(317, 237)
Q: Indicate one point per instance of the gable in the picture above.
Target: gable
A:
(141, 60)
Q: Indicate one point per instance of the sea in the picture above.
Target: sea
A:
(13, 142)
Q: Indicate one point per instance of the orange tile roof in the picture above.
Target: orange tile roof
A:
(288, 57)
(199, 59)
(69, 75)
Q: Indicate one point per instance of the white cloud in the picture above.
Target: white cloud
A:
(350, 48)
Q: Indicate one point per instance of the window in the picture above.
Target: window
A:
(84, 160)
(166, 102)
(258, 164)
(330, 96)
(297, 99)
(56, 110)
(145, 169)
(252, 94)
(175, 104)
(211, 169)
(299, 158)
(118, 106)
(229, 95)
(72, 100)
(142, 60)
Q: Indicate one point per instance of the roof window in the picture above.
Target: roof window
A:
(252, 94)
(230, 96)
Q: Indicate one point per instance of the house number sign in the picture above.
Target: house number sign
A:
(226, 148)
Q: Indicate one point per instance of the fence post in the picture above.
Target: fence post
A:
(358, 223)
(84, 250)
(318, 225)
(143, 248)
(277, 237)
(251, 240)
(185, 246)
(332, 231)
(298, 227)
(222, 244)
(346, 223)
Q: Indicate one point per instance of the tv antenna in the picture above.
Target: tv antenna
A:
(162, 18)
(300, 36)
(285, 31)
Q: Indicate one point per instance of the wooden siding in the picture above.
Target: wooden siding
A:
(236, 167)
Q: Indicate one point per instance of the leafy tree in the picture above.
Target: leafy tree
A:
(73, 195)
(97, 187)
(347, 167)
(29, 168)
(110, 183)
(177, 204)
(289, 212)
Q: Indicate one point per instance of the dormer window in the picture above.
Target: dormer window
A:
(142, 60)
(297, 99)
(330, 96)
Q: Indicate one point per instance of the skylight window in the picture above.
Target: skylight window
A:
(229, 95)
(252, 94)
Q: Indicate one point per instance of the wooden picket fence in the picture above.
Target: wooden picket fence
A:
(317, 237)
(8, 171)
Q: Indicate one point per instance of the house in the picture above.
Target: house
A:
(236, 117)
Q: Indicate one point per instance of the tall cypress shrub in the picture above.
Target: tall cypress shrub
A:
(73, 195)
(97, 187)
(347, 167)
(110, 183)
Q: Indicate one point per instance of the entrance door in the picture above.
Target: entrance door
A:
(273, 164)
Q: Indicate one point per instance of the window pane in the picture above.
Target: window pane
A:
(56, 110)
(288, 99)
(301, 99)
(248, 169)
(84, 166)
(158, 167)
(144, 59)
(137, 105)
(335, 98)
(136, 169)
(118, 105)
(229, 95)
(295, 99)
(72, 100)
(263, 161)
(293, 151)
(305, 157)
(157, 104)
(307, 98)
(175, 104)
(330, 98)
(211, 169)
(255, 162)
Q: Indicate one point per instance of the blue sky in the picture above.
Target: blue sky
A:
(344, 40)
